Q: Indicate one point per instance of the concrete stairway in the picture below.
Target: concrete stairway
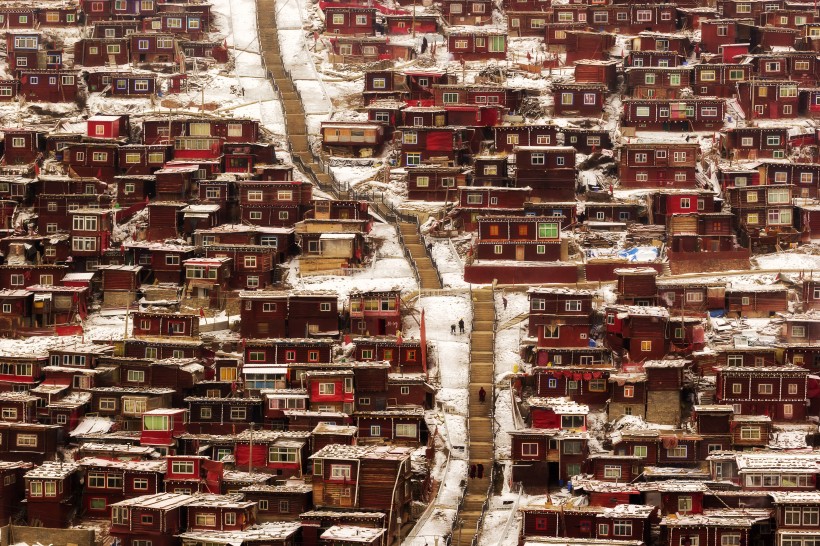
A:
(481, 421)
(428, 278)
(292, 107)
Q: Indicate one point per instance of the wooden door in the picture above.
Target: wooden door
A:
(519, 253)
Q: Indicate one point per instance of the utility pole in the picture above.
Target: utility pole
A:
(413, 20)
(250, 451)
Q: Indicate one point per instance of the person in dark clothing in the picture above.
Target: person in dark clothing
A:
(480, 471)
(461, 325)
(453, 329)
(504, 301)
(472, 471)
(482, 395)
(424, 45)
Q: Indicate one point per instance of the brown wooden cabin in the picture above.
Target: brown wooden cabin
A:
(628, 394)
(756, 300)
(51, 491)
(316, 522)
(637, 286)
(567, 314)
(120, 284)
(352, 49)
(373, 477)
(48, 85)
(22, 146)
(661, 59)
(803, 176)
(358, 138)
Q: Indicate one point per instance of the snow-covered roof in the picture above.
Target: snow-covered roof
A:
(53, 469)
(562, 406)
(263, 532)
(340, 451)
(352, 533)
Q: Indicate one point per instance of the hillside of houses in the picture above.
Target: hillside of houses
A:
(409, 272)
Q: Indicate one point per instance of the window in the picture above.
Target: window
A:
(629, 391)
(182, 467)
(406, 431)
(26, 440)
(339, 472)
(548, 231)
(642, 111)
(572, 421)
(685, 504)
(537, 158)
(750, 433)
(136, 376)
(764, 388)
(646, 346)
(206, 520)
(612, 471)
(107, 404)
(639, 451)
(327, 388)
(677, 452)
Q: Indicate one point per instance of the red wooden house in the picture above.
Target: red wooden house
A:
(584, 45)
(409, 23)
(644, 327)
(548, 170)
(719, 80)
(656, 82)
(542, 457)
(703, 242)
(467, 12)
(98, 51)
(658, 165)
(779, 392)
(48, 85)
(755, 142)
(715, 33)
(18, 16)
(768, 99)
(350, 20)
(159, 517)
(434, 183)
(477, 45)
(377, 313)
(578, 99)
(660, 59)
(52, 491)
(22, 146)
(12, 487)
(110, 481)
(667, 114)
(477, 201)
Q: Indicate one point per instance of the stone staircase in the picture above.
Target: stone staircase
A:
(428, 277)
(292, 107)
(481, 419)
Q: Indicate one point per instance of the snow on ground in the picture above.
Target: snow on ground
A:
(388, 270)
(788, 260)
(452, 370)
(448, 262)
(236, 19)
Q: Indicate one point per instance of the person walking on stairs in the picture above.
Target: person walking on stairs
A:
(482, 395)
(472, 471)
(480, 471)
